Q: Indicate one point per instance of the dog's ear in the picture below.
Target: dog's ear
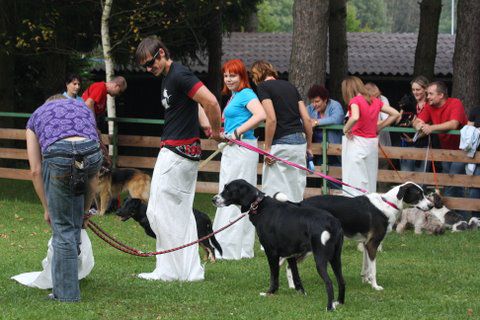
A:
(437, 201)
(401, 192)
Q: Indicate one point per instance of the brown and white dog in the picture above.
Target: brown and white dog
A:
(113, 182)
(420, 220)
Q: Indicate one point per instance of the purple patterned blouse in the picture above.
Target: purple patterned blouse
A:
(60, 119)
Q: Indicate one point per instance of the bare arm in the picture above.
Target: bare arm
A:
(306, 125)
(258, 115)
(393, 115)
(270, 123)
(212, 109)
(204, 123)
(90, 104)
(445, 126)
(35, 161)
(354, 116)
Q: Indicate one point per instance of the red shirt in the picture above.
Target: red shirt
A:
(366, 126)
(452, 109)
(98, 93)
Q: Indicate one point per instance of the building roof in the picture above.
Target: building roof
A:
(380, 54)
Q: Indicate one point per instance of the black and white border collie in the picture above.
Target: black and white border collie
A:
(290, 231)
(368, 218)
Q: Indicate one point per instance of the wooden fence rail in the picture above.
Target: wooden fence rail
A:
(209, 146)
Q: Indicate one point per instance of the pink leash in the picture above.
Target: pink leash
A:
(296, 165)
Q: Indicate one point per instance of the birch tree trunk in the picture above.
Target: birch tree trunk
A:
(466, 58)
(309, 44)
(109, 66)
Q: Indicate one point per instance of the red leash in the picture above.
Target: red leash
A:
(130, 250)
(389, 161)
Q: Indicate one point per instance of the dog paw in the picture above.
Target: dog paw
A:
(336, 304)
(265, 294)
(377, 287)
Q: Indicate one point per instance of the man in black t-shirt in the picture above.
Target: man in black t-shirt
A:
(175, 174)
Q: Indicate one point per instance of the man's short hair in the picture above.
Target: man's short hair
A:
(441, 87)
(150, 45)
(121, 82)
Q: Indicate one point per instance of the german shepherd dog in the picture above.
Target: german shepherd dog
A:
(137, 209)
(113, 182)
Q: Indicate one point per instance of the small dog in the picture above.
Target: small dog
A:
(421, 220)
(113, 182)
(369, 218)
(289, 231)
(450, 219)
(137, 209)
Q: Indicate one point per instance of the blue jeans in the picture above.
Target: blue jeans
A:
(293, 138)
(453, 168)
(66, 209)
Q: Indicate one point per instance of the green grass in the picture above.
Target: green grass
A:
(425, 277)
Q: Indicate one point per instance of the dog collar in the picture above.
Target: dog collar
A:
(391, 204)
(254, 205)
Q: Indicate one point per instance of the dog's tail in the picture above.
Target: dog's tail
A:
(217, 246)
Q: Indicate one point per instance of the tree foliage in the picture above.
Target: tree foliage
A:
(275, 16)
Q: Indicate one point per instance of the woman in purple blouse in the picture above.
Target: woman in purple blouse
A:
(65, 157)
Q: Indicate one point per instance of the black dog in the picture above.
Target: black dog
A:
(408, 105)
(368, 218)
(289, 231)
(137, 209)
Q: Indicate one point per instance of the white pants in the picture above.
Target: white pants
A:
(171, 217)
(359, 164)
(237, 240)
(280, 177)
(43, 279)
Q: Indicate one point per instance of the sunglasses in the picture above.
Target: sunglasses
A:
(150, 62)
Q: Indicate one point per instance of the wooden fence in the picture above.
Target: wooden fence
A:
(209, 146)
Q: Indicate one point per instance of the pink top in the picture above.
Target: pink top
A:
(366, 126)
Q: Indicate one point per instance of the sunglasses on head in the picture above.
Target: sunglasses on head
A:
(150, 62)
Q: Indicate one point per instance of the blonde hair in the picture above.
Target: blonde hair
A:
(373, 89)
(262, 69)
(351, 87)
(57, 96)
(421, 81)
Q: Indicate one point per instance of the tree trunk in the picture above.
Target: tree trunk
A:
(466, 58)
(252, 23)
(214, 49)
(337, 46)
(109, 66)
(7, 63)
(309, 44)
(427, 38)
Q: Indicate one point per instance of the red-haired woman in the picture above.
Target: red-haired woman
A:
(242, 114)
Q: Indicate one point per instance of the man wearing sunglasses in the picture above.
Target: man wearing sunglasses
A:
(175, 174)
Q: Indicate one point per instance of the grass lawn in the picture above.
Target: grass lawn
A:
(425, 277)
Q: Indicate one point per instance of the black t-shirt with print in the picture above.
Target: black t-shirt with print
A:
(285, 98)
(181, 112)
